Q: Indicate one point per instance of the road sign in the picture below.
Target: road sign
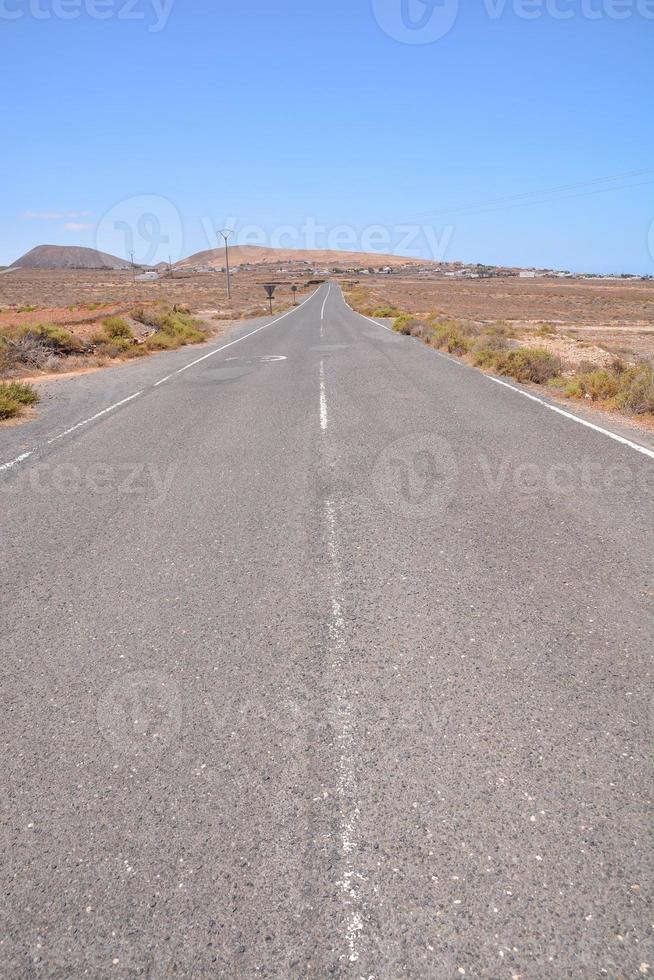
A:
(270, 288)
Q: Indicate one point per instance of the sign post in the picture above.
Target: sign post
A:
(294, 291)
(270, 292)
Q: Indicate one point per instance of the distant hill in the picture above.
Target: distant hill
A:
(317, 258)
(68, 257)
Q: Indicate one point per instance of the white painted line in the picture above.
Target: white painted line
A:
(343, 716)
(534, 398)
(575, 418)
(98, 415)
(323, 399)
(15, 462)
(322, 312)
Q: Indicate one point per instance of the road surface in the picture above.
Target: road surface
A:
(326, 656)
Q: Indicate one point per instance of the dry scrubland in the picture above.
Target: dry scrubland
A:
(55, 322)
(589, 341)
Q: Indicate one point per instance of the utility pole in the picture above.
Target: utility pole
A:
(224, 234)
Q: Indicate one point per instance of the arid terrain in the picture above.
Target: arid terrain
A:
(615, 314)
(73, 297)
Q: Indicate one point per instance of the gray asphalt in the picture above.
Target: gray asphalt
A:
(331, 666)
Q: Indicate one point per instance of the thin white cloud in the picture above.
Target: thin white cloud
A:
(76, 226)
(54, 215)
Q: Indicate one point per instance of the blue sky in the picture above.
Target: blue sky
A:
(166, 118)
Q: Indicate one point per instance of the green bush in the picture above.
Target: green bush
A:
(14, 395)
(115, 327)
(449, 336)
(8, 406)
(574, 389)
(162, 341)
(636, 390)
(526, 364)
(599, 385)
(174, 326)
(409, 325)
(386, 312)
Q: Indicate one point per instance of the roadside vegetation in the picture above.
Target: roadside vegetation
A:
(624, 384)
(49, 348)
(14, 397)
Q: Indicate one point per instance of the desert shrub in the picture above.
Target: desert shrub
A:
(599, 385)
(8, 406)
(174, 327)
(487, 342)
(485, 357)
(22, 392)
(386, 312)
(28, 349)
(546, 330)
(635, 393)
(523, 363)
(13, 396)
(412, 326)
(181, 326)
(449, 336)
(53, 337)
(115, 327)
(161, 341)
(149, 316)
(114, 346)
(574, 389)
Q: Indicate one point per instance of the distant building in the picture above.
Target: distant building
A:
(527, 274)
(146, 276)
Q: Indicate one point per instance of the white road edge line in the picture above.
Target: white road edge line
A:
(15, 462)
(110, 408)
(534, 398)
(98, 415)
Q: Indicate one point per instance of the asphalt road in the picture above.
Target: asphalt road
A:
(326, 657)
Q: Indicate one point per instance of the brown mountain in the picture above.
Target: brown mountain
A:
(68, 257)
(316, 258)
